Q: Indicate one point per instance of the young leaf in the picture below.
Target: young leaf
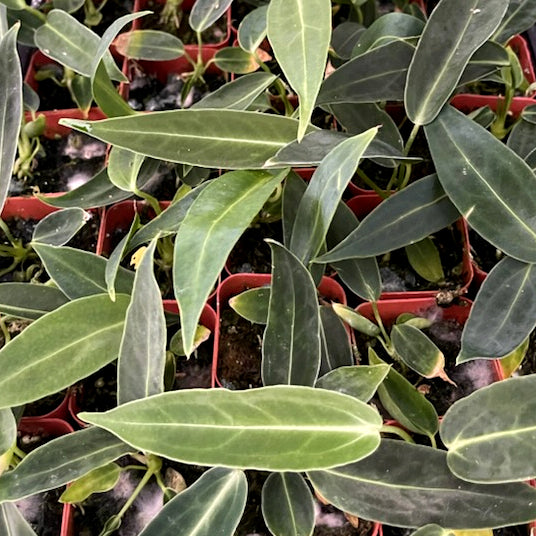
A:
(299, 32)
(511, 362)
(149, 45)
(343, 39)
(252, 30)
(410, 486)
(26, 300)
(424, 258)
(356, 320)
(107, 96)
(206, 12)
(98, 480)
(252, 304)
(12, 522)
(235, 60)
(123, 168)
(442, 54)
(288, 505)
(291, 342)
(220, 214)
(278, 428)
(490, 433)
(142, 355)
(214, 504)
(496, 195)
(59, 227)
(335, 347)
(8, 430)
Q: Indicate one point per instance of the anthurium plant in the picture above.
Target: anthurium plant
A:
(311, 425)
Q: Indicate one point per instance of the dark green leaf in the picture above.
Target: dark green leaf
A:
(520, 16)
(344, 37)
(252, 29)
(336, 350)
(12, 522)
(252, 304)
(60, 226)
(235, 60)
(151, 45)
(30, 301)
(423, 257)
(206, 12)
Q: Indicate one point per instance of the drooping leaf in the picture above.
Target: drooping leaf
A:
(8, 430)
(335, 347)
(206, 12)
(36, 364)
(252, 304)
(281, 428)
(503, 314)
(423, 257)
(61, 461)
(490, 433)
(26, 300)
(59, 227)
(212, 505)
(98, 480)
(153, 45)
(291, 342)
(300, 32)
(410, 486)
(288, 505)
(252, 29)
(12, 522)
(442, 53)
(106, 95)
(520, 16)
(495, 194)
(220, 214)
(123, 168)
(235, 60)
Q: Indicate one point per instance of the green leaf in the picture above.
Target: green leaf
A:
(356, 320)
(520, 16)
(420, 209)
(212, 505)
(12, 523)
(239, 94)
(202, 334)
(360, 381)
(276, 428)
(8, 430)
(243, 140)
(220, 214)
(142, 356)
(206, 12)
(10, 107)
(61, 461)
(321, 198)
(443, 52)
(503, 313)
(344, 37)
(36, 364)
(521, 141)
(424, 258)
(291, 342)
(68, 5)
(98, 480)
(490, 433)
(335, 347)
(79, 273)
(59, 227)
(107, 96)
(235, 60)
(404, 402)
(485, 61)
(410, 486)
(300, 32)
(293, 189)
(30, 301)
(15, 5)
(151, 45)
(436, 530)
(123, 168)
(252, 29)
(511, 362)
(287, 505)
(252, 304)
(496, 196)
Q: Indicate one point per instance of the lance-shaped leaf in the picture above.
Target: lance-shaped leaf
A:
(235, 60)
(106, 95)
(356, 320)
(252, 29)
(410, 215)
(12, 522)
(291, 342)
(61, 461)
(26, 300)
(521, 141)
(442, 53)
(279, 428)
(10, 107)
(503, 314)
(214, 504)
(149, 45)
(335, 347)
(358, 381)
(8, 430)
(123, 168)
(252, 304)
(321, 198)
(299, 32)
(242, 139)
(206, 12)
(520, 16)
(490, 434)
(142, 356)
(220, 214)
(80, 273)
(59, 227)
(98, 480)
(423, 257)
(404, 402)
(287, 505)
(344, 37)
(488, 183)
(36, 364)
(410, 485)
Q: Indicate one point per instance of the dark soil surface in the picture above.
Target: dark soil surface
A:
(43, 512)
(51, 95)
(195, 372)
(485, 255)
(44, 405)
(528, 365)
(331, 522)
(98, 392)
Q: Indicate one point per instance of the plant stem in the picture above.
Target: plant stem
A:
(279, 86)
(380, 323)
(155, 205)
(135, 493)
(5, 331)
(388, 429)
(369, 182)
(411, 139)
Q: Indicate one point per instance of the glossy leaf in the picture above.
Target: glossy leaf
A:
(206, 12)
(360, 381)
(35, 365)
(8, 430)
(300, 32)
(344, 37)
(12, 522)
(123, 168)
(61, 461)
(321, 198)
(68, 5)
(149, 45)
(252, 304)
(442, 54)
(106, 95)
(521, 141)
(239, 94)
(420, 209)
(511, 362)
(220, 214)
(252, 29)
(356, 320)
(410, 486)
(281, 428)
(291, 342)
(496, 195)
(503, 313)
(212, 505)
(485, 61)
(423, 256)
(520, 16)
(10, 107)
(59, 227)
(26, 300)
(243, 140)
(98, 480)
(80, 273)
(490, 433)
(293, 189)
(335, 347)
(235, 60)
(288, 505)
(404, 402)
